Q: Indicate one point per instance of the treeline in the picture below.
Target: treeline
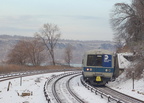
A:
(39, 49)
(128, 24)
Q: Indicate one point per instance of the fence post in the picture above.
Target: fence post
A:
(108, 98)
(101, 95)
(133, 79)
(96, 92)
(91, 89)
(48, 100)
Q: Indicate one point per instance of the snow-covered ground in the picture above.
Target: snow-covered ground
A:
(126, 86)
(84, 93)
(34, 85)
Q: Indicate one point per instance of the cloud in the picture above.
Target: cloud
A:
(83, 17)
(5, 29)
(73, 26)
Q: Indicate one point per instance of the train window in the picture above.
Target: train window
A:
(99, 61)
(91, 60)
(94, 60)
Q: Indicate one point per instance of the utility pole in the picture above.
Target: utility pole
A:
(133, 79)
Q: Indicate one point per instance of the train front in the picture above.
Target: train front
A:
(98, 67)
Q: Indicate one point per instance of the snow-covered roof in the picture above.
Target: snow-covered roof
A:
(123, 62)
(98, 51)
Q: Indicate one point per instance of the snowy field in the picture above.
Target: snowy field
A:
(34, 85)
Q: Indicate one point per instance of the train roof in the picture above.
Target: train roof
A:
(99, 51)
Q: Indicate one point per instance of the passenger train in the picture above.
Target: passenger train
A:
(99, 67)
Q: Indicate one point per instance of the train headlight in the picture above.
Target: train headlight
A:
(87, 69)
(106, 70)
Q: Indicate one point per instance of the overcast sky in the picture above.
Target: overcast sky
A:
(77, 19)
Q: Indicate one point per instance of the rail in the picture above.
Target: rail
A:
(72, 93)
(12, 75)
(96, 91)
(53, 89)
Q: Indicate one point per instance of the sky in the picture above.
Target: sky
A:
(77, 19)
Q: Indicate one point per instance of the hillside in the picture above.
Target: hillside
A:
(79, 47)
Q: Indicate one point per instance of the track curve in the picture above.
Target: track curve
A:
(61, 91)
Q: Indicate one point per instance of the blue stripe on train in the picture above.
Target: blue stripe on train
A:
(109, 70)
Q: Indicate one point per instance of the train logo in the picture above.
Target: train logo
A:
(106, 57)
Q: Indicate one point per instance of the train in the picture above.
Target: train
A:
(99, 67)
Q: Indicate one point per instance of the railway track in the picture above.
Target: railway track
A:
(59, 89)
(71, 92)
(118, 95)
(107, 92)
(8, 76)
(111, 95)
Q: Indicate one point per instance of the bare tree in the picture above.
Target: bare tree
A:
(49, 35)
(18, 54)
(27, 52)
(119, 43)
(68, 54)
(128, 21)
(35, 53)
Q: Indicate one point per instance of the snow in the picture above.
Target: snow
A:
(126, 86)
(84, 93)
(34, 85)
(122, 62)
(29, 84)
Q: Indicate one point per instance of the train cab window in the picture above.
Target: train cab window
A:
(94, 60)
(99, 60)
(91, 60)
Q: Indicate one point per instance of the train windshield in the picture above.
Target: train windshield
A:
(94, 60)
